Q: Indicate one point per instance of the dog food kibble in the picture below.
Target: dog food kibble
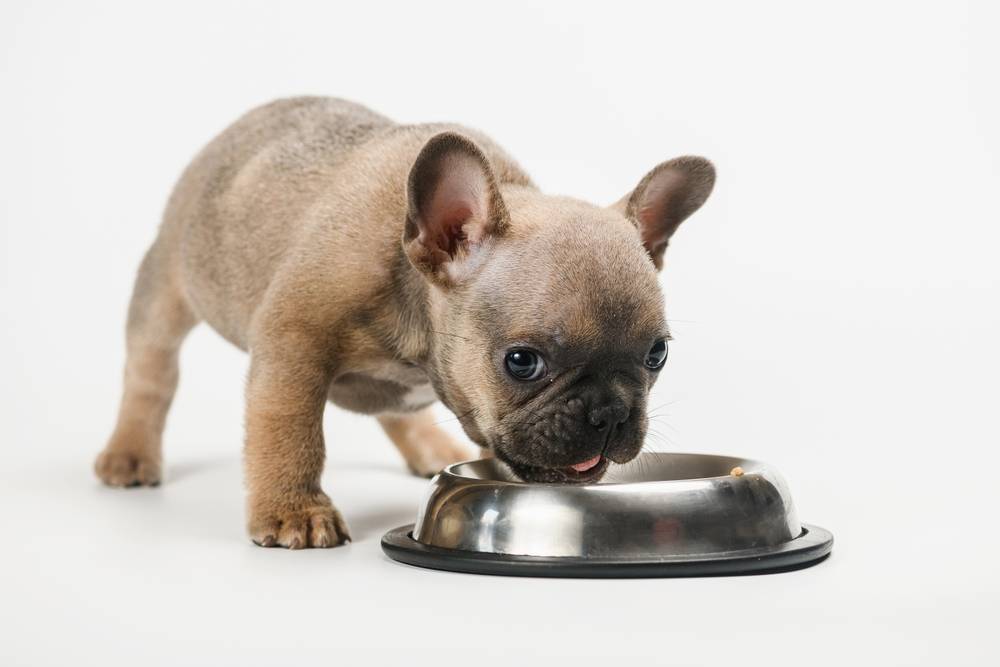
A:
(736, 472)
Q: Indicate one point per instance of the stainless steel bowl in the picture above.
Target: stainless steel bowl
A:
(660, 515)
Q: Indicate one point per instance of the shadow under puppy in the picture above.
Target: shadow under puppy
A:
(382, 267)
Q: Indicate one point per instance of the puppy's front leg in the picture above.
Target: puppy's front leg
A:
(286, 394)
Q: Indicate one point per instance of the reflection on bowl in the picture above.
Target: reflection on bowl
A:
(659, 505)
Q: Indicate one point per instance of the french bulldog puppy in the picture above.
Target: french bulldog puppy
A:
(382, 267)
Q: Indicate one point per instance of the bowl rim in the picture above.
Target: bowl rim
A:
(751, 467)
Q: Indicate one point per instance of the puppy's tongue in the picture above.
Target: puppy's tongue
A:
(586, 465)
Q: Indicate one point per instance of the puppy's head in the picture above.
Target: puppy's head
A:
(549, 320)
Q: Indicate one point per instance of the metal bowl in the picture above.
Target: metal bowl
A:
(660, 515)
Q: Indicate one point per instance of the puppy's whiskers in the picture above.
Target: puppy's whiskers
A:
(660, 409)
(445, 333)
(458, 418)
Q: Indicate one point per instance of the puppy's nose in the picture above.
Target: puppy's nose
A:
(606, 417)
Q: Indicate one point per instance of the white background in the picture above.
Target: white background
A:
(835, 309)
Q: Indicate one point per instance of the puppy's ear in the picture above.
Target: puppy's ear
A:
(454, 209)
(667, 195)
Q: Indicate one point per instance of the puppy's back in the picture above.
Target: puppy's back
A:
(239, 206)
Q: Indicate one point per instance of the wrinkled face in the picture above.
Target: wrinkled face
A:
(548, 319)
(555, 348)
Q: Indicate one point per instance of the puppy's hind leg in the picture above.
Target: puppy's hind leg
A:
(425, 446)
(158, 321)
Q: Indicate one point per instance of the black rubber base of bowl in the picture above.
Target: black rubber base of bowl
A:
(809, 548)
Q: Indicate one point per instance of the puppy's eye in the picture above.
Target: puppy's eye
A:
(524, 365)
(657, 356)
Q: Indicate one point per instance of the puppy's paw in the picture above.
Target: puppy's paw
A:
(436, 453)
(127, 468)
(312, 522)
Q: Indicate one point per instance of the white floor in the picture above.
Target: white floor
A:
(164, 577)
